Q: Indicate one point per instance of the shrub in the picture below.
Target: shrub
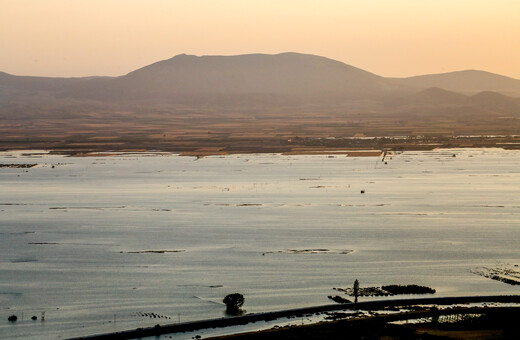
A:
(233, 303)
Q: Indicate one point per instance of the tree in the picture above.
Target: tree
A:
(356, 290)
(233, 303)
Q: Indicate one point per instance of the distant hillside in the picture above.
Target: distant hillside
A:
(435, 103)
(496, 102)
(290, 75)
(469, 81)
(431, 96)
(26, 83)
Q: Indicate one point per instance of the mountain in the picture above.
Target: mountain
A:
(290, 75)
(257, 77)
(469, 81)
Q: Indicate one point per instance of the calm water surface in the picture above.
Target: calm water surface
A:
(82, 241)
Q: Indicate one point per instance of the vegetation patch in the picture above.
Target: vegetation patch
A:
(408, 289)
(339, 299)
(17, 166)
(234, 302)
(154, 251)
(388, 290)
(365, 291)
(503, 273)
(152, 315)
(311, 251)
(342, 315)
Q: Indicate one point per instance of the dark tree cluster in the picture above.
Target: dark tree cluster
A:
(408, 289)
(233, 303)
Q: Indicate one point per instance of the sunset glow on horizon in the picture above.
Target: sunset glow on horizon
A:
(397, 38)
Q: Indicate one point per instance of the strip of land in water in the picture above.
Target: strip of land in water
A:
(461, 323)
(200, 146)
(249, 318)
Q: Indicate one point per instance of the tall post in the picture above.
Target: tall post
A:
(356, 290)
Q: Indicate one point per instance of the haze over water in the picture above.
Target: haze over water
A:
(95, 239)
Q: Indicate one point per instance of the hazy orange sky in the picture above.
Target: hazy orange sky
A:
(386, 37)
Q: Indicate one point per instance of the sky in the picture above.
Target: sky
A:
(392, 38)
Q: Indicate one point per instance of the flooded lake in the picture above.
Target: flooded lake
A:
(100, 244)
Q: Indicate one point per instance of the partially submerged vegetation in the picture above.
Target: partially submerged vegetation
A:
(160, 251)
(387, 290)
(408, 289)
(233, 303)
(17, 166)
(339, 299)
(503, 273)
(497, 323)
(312, 251)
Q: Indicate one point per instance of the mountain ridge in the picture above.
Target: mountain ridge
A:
(289, 74)
(283, 73)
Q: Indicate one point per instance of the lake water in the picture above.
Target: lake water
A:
(82, 239)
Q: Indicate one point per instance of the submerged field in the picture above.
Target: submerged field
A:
(108, 243)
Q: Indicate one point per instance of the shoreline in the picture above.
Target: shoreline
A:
(363, 327)
(251, 318)
(352, 147)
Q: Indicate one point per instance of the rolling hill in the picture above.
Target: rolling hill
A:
(468, 81)
(290, 76)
